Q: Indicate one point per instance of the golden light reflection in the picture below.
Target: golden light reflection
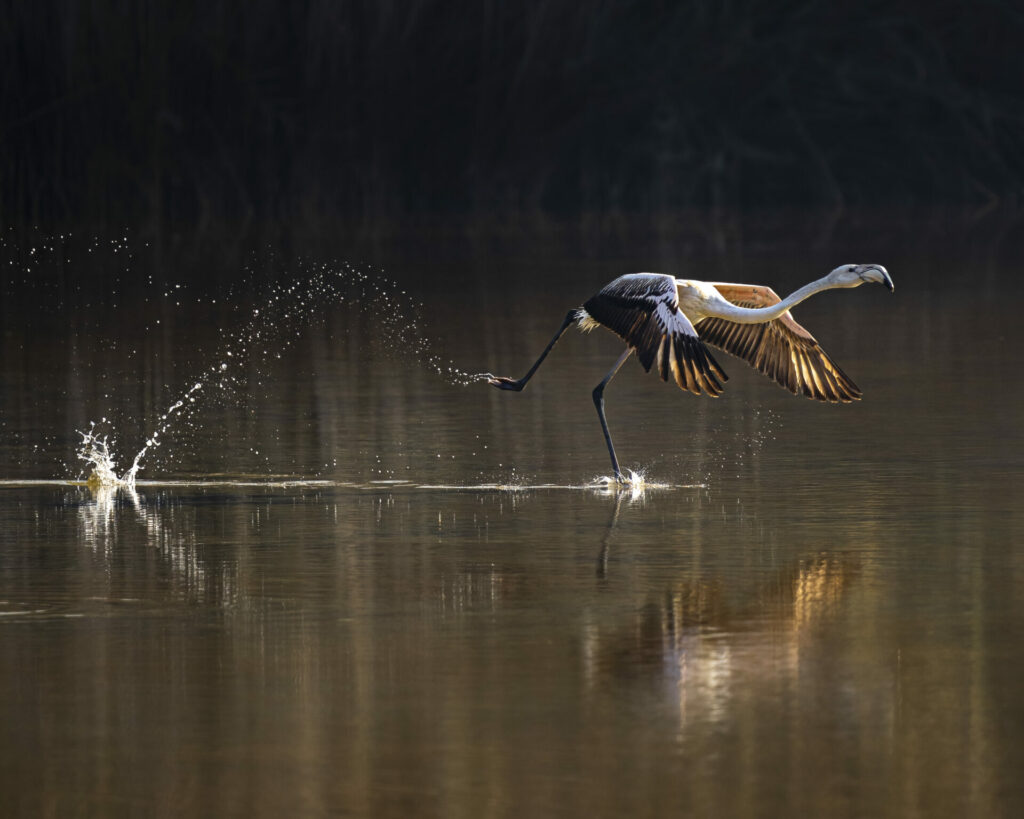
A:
(714, 640)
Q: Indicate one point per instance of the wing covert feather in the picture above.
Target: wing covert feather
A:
(781, 349)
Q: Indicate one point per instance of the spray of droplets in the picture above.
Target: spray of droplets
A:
(302, 297)
(94, 449)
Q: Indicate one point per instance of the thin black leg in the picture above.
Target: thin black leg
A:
(599, 403)
(503, 383)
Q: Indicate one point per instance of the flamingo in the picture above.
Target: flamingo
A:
(670, 322)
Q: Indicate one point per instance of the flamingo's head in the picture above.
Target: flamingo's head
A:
(854, 275)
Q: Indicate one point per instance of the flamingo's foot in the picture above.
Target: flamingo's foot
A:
(503, 383)
(629, 480)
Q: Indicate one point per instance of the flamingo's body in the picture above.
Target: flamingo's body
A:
(668, 322)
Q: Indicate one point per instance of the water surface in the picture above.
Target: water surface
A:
(348, 584)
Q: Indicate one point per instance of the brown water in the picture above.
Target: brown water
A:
(820, 612)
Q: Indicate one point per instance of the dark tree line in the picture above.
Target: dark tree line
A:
(202, 112)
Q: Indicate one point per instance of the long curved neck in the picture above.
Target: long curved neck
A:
(762, 315)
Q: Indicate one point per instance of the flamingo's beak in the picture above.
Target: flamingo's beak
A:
(877, 273)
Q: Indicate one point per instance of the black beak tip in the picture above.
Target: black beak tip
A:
(886, 279)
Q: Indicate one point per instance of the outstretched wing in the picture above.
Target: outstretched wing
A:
(781, 349)
(643, 310)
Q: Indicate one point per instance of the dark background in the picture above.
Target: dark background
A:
(200, 114)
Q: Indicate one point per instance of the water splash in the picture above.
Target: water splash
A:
(94, 449)
(630, 481)
(263, 306)
(309, 290)
(302, 297)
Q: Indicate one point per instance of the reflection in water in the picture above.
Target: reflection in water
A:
(602, 559)
(100, 516)
(684, 632)
(111, 520)
(403, 650)
(698, 632)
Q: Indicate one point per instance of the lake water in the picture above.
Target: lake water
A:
(349, 583)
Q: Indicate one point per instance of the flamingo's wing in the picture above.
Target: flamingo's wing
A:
(643, 310)
(781, 349)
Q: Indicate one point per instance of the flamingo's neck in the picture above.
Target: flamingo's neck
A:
(761, 315)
